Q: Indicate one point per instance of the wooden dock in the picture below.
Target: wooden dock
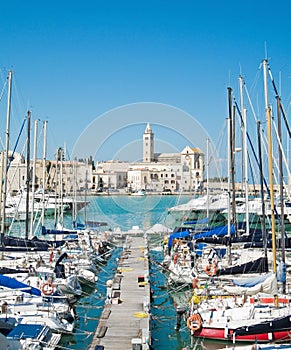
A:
(125, 320)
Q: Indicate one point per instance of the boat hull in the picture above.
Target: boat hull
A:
(222, 334)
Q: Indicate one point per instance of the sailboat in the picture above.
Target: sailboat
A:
(263, 318)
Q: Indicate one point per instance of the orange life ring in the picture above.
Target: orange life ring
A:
(194, 322)
(47, 288)
(211, 269)
(208, 270)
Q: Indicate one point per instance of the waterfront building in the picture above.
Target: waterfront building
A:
(172, 172)
(157, 172)
(60, 175)
(110, 175)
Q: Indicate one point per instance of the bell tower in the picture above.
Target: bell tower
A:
(148, 145)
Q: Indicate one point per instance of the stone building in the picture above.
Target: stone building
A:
(110, 175)
(182, 171)
(54, 175)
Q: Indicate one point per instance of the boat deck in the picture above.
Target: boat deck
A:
(124, 323)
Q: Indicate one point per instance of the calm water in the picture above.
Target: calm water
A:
(126, 212)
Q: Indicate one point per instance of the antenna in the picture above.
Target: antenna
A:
(266, 51)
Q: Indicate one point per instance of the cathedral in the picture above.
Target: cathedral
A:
(166, 172)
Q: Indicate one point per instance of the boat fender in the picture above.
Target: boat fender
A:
(176, 256)
(194, 282)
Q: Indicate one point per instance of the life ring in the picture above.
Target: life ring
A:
(194, 322)
(47, 288)
(208, 270)
(211, 269)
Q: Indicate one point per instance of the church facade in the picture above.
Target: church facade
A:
(170, 172)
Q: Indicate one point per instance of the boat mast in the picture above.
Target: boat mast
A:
(245, 155)
(27, 175)
(56, 213)
(270, 158)
(228, 171)
(5, 155)
(74, 209)
(281, 187)
(232, 160)
(43, 171)
(61, 189)
(207, 180)
(33, 175)
(264, 232)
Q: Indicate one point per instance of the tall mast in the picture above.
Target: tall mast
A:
(56, 213)
(207, 179)
(27, 174)
(228, 170)
(43, 171)
(33, 175)
(5, 155)
(264, 232)
(281, 186)
(270, 158)
(245, 155)
(232, 160)
(61, 189)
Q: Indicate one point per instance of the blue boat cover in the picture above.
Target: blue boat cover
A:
(250, 282)
(12, 283)
(24, 331)
(177, 235)
(218, 231)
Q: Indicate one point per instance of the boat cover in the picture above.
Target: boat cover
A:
(178, 235)
(12, 283)
(268, 285)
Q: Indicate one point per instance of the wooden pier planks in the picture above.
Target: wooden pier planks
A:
(127, 318)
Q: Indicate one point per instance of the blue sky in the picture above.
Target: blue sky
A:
(74, 61)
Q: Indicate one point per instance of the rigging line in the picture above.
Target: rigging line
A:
(3, 89)
(251, 169)
(257, 161)
(10, 181)
(280, 145)
(256, 119)
(16, 144)
(214, 158)
(256, 79)
(280, 102)
(19, 199)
